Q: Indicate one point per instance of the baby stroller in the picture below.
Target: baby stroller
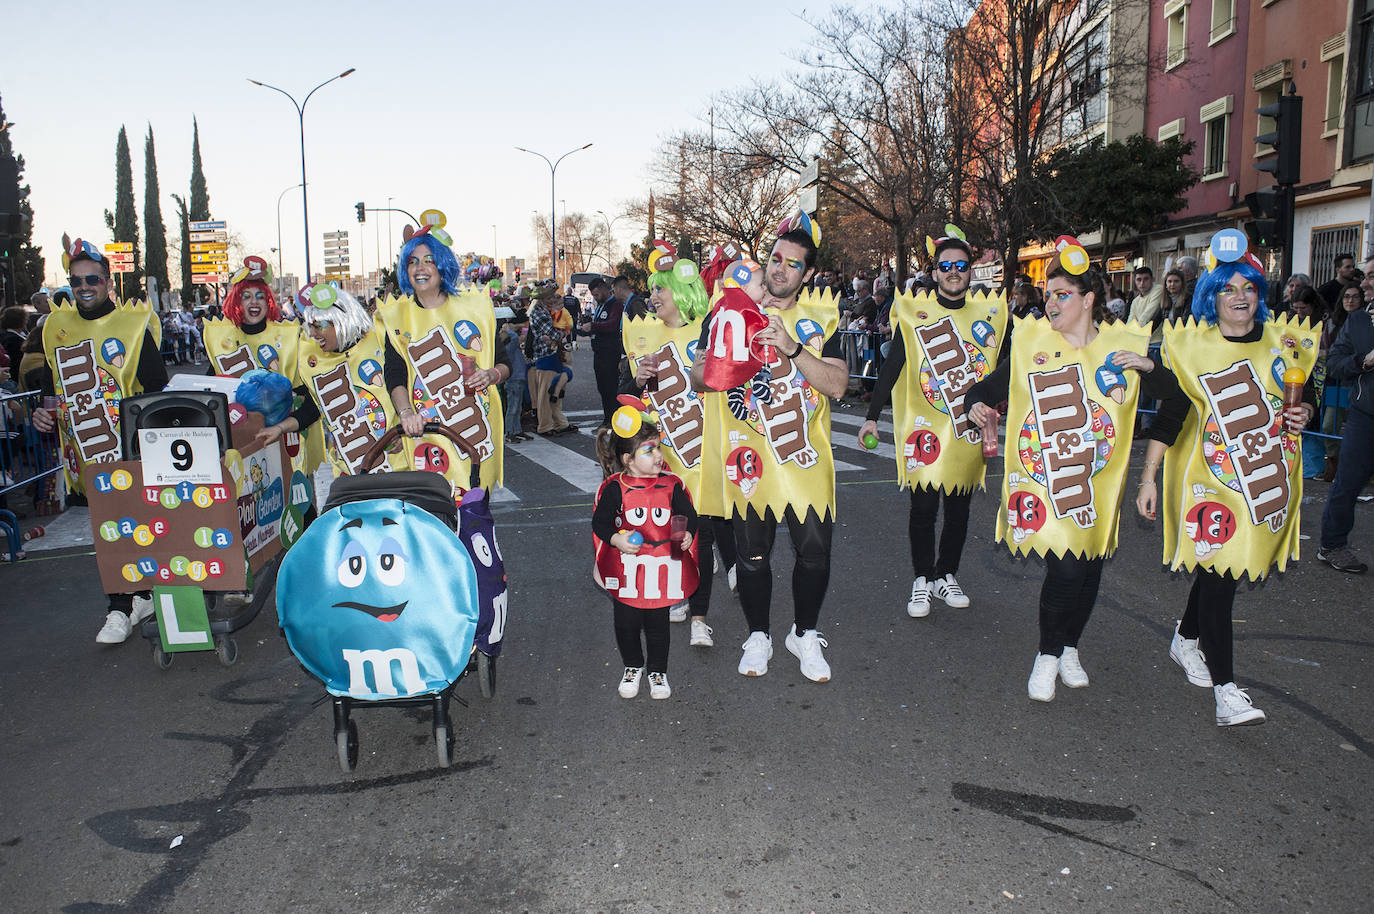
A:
(395, 593)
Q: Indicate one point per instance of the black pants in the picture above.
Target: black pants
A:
(711, 530)
(606, 365)
(925, 503)
(124, 602)
(1208, 619)
(1066, 601)
(629, 622)
(754, 537)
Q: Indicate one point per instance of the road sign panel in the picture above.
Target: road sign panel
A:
(203, 246)
(209, 236)
(119, 247)
(209, 258)
(209, 278)
(217, 226)
(336, 236)
(121, 268)
(115, 258)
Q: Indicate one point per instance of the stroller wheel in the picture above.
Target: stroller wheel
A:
(346, 742)
(227, 649)
(161, 657)
(443, 743)
(486, 674)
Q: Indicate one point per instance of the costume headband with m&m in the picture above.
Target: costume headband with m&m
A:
(73, 247)
(952, 232)
(800, 221)
(1072, 255)
(255, 268)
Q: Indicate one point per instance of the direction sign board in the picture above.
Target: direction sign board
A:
(209, 278)
(217, 226)
(121, 267)
(336, 236)
(209, 236)
(208, 258)
(120, 247)
(203, 246)
(114, 257)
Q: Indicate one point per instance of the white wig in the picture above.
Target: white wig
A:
(350, 320)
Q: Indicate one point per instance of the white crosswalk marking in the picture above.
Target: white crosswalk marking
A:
(582, 472)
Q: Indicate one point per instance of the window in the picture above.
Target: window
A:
(1172, 129)
(1176, 25)
(1329, 241)
(1360, 123)
(1267, 96)
(1216, 123)
(1333, 52)
(1223, 20)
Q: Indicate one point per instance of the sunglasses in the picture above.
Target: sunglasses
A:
(947, 265)
(92, 279)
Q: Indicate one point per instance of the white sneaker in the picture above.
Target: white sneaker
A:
(730, 579)
(1186, 653)
(1234, 707)
(948, 589)
(807, 649)
(701, 634)
(116, 628)
(629, 683)
(237, 598)
(658, 686)
(1043, 674)
(758, 650)
(678, 612)
(1071, 672)
(142, 609)
(918, 607)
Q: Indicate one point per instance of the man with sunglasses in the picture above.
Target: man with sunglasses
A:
(96, 339)
(937, 457)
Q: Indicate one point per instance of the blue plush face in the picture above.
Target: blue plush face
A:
(379, 599)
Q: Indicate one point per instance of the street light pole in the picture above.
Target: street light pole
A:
(389, 246)
(280, 271)
(553, 199)
(300, 116)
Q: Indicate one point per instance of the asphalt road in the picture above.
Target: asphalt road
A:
(920, 779)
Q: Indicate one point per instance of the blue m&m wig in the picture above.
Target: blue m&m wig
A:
(450, 273)
(1210, 284)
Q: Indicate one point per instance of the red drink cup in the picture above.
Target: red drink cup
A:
(677, 526)
(990, 434)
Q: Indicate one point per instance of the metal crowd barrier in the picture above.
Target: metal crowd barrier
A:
(26, 459)
(862, 353)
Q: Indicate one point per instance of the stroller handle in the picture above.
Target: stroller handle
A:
(389, 437)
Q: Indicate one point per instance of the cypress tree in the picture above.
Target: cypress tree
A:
(200, 197)
(154, 232)
(187, 290)
(125, 217)
(26, 258)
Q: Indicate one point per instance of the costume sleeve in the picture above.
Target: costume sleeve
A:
(608, 505)
(152, 371)
(682, 504)
(394, 371)
(887, 376)
(1168, 422)
(831, 349)
(308, 413)
(1159, 383)
(992, 389)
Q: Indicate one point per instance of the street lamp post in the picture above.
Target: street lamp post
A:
(300, 116)
(280, 271)
(389, 246)
(553, 199)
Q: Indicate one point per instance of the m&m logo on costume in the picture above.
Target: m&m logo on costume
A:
(1246, 443)
(1025, 515)
(268, 358)
(921, 449)
(949, 369)
(1210, 525)
(368, 370)
(1059, 442)
(112, 351)
(744, 469)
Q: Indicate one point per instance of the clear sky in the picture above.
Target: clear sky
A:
(442, 94)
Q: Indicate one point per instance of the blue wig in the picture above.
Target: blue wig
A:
(1210, 284)
(449, 271)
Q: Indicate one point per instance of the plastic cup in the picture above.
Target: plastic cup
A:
(677, 526)
(990, 435)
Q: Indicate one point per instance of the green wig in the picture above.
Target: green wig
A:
(689, 294)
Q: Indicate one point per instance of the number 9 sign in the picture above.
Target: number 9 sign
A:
(180, 456)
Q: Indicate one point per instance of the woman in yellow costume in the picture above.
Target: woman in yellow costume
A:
(662, 347)
(1070, 419)
(252, 335)
(442, 362)
(340, 364)
(1228, 436)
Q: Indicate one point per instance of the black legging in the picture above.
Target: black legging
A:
(1208, 619)
(606, 367)
(1066, 601)
(754, 537)
(629, 622)
(920, 528)
(710, 530)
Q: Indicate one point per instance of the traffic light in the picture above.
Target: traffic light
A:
(560, 253)
(362, 211)
(1271, 208)
(1286, 137)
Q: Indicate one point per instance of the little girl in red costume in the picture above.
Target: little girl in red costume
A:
(642, 561)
